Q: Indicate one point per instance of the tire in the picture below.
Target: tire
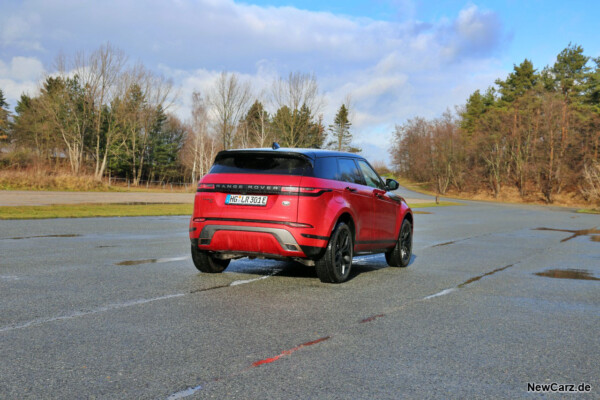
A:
(204, 262)
(334, 266)
(400, 255)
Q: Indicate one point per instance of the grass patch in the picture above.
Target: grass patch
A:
(434, 204)
(94, 210)
(588, 211)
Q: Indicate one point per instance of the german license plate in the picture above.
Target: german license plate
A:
(246, 200)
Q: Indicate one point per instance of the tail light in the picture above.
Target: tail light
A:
(296, 189)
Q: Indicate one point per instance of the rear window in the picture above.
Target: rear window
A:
(326, 168)
(260, 163)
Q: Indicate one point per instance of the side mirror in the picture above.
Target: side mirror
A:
(391, 184)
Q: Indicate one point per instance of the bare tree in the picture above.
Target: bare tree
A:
(297, 99)
(229, 99)
(68, 110)
(102, 70)
(199, 148)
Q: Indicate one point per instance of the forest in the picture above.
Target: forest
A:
(534, 134)
(99, 115)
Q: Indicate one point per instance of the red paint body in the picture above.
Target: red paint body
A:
(319, 204)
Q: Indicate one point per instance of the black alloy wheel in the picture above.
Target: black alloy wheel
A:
(401, 254)
(335, 265)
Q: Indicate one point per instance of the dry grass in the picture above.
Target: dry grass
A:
(42, 179)
(512, 195)
(507, 195)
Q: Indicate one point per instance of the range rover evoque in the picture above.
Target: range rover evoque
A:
(317, 207)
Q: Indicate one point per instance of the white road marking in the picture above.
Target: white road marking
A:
(236, 283)
(243, 282)
(184, 393)
(162, 260)
(76, 314)
(442, 293)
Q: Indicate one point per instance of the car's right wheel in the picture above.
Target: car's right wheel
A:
(205, 262)
(400, 255)
(334, 266)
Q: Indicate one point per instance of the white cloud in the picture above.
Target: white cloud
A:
(19, 75)
(392, 69)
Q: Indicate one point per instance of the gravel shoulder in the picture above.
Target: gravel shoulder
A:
(43, 198)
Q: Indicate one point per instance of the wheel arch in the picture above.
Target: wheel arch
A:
(346, 218)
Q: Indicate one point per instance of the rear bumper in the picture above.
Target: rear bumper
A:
(256, 239)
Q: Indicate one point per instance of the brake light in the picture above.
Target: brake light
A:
(199, 219)
(206, 186)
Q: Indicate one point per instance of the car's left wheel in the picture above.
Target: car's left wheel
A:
(205, 262)
(334, 266)
(400, 255)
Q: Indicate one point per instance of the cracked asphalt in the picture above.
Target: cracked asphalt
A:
(113, 308)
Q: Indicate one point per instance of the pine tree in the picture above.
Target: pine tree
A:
(257, 123)
(4, 123)
(518, 82)
(341, 137)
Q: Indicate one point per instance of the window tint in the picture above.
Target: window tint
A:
(326, 168)
(261, 163)
(370, 175)
(348, 172)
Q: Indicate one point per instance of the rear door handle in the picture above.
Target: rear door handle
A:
(350, 189)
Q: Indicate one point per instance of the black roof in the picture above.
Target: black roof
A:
(310, 153)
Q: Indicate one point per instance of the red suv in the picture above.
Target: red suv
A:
(317, 207)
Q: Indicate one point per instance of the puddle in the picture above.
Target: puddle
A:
(467, 282)
(475, 279)
(593, 233)
(373, 318)
(444, 244)
(69, 235)
(581, 274)
(152, 261)
(208, 288)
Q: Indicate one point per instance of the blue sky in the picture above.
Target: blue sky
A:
(396, 59)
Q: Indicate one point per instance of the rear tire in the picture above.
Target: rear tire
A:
(400, 255)
(204, 262)
(334, 266)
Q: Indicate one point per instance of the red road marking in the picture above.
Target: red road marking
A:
(288, 352)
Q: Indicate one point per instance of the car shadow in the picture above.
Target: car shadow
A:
(292, 269)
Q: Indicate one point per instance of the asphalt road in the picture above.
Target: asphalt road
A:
(113, 308)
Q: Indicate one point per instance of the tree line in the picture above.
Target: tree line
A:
(98, 114)
(536, 131)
